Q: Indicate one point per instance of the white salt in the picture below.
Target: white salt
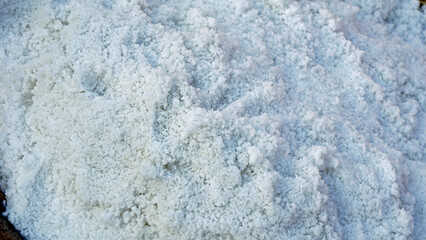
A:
(198, 119)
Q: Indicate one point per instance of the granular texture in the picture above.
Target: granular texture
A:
(241, 119)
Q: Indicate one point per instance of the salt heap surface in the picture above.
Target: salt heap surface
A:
(213, 119)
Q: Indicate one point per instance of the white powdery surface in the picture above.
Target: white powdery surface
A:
(216, 119)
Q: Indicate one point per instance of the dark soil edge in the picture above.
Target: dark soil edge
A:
(7, 230)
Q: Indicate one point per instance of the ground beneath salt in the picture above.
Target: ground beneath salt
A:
(274, 119)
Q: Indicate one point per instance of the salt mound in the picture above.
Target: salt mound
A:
(213, 119)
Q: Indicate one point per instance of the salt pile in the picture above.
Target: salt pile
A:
(213, 119)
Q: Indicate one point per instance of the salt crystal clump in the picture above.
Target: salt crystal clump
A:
(320, 158)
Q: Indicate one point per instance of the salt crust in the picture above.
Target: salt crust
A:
(213, 120)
